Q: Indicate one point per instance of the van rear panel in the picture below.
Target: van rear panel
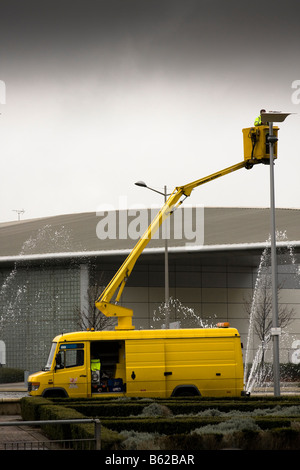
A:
(211, 365)
(208, 363)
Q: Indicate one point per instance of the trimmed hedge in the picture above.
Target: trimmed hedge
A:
(31, 408)
(278, 439)
(183, 425)
(109, 408)
(166, 426)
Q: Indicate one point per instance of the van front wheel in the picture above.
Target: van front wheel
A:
(55, 393)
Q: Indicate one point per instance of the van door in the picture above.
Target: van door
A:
(145, 368)
(71, 370)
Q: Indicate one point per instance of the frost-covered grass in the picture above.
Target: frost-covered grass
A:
(140, 440)
(230, 426)
(156, 410)
(280, 411)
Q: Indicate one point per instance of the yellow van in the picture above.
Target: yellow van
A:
(143, 363)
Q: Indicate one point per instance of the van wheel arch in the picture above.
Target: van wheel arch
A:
(55, 393)
(186, 391)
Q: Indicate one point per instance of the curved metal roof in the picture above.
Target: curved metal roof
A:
(224, 228)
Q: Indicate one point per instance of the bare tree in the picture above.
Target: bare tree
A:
(260, 310)
(92, 317)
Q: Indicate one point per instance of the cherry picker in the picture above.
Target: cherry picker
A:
(256, 150)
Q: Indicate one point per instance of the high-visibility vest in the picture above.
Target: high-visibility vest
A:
(95, 364)
(257, 121)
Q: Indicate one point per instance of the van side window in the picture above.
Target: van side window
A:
(70, 355)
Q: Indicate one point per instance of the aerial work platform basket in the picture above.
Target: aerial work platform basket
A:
(256, 143)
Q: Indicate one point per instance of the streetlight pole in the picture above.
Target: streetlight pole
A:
(272, 117)
(275, 323)
(167, 294)
(19, 212)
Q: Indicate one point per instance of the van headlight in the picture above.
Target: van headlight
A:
(35, 386)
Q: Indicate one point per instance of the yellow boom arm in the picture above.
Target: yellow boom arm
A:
(104, 302)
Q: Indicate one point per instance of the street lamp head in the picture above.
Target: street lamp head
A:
(141, 183)
(273, 116)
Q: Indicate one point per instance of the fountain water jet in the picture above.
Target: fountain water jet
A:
(33, 301)
(261, 310)
(184, 315)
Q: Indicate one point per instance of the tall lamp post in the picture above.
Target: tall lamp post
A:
(272, 117)
(142, 184)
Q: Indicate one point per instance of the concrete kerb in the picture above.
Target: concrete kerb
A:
(10, 406)
(13, 387)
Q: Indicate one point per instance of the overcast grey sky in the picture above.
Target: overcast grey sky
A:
(100, 94)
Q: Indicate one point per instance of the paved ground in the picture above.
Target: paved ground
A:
(12, 389)
(21, 437)
(14, 437)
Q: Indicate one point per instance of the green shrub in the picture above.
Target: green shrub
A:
(288, 372)
(10, 375)
(192, 442)
(285, 439)
(272, 423)
(31, 408)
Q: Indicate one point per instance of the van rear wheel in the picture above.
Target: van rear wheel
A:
(186, 392)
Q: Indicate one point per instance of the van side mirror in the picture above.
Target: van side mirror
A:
(58, 362)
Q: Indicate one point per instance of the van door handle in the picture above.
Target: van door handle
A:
(167, 373)
(82, 376)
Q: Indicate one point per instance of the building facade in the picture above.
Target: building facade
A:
(47, 267)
